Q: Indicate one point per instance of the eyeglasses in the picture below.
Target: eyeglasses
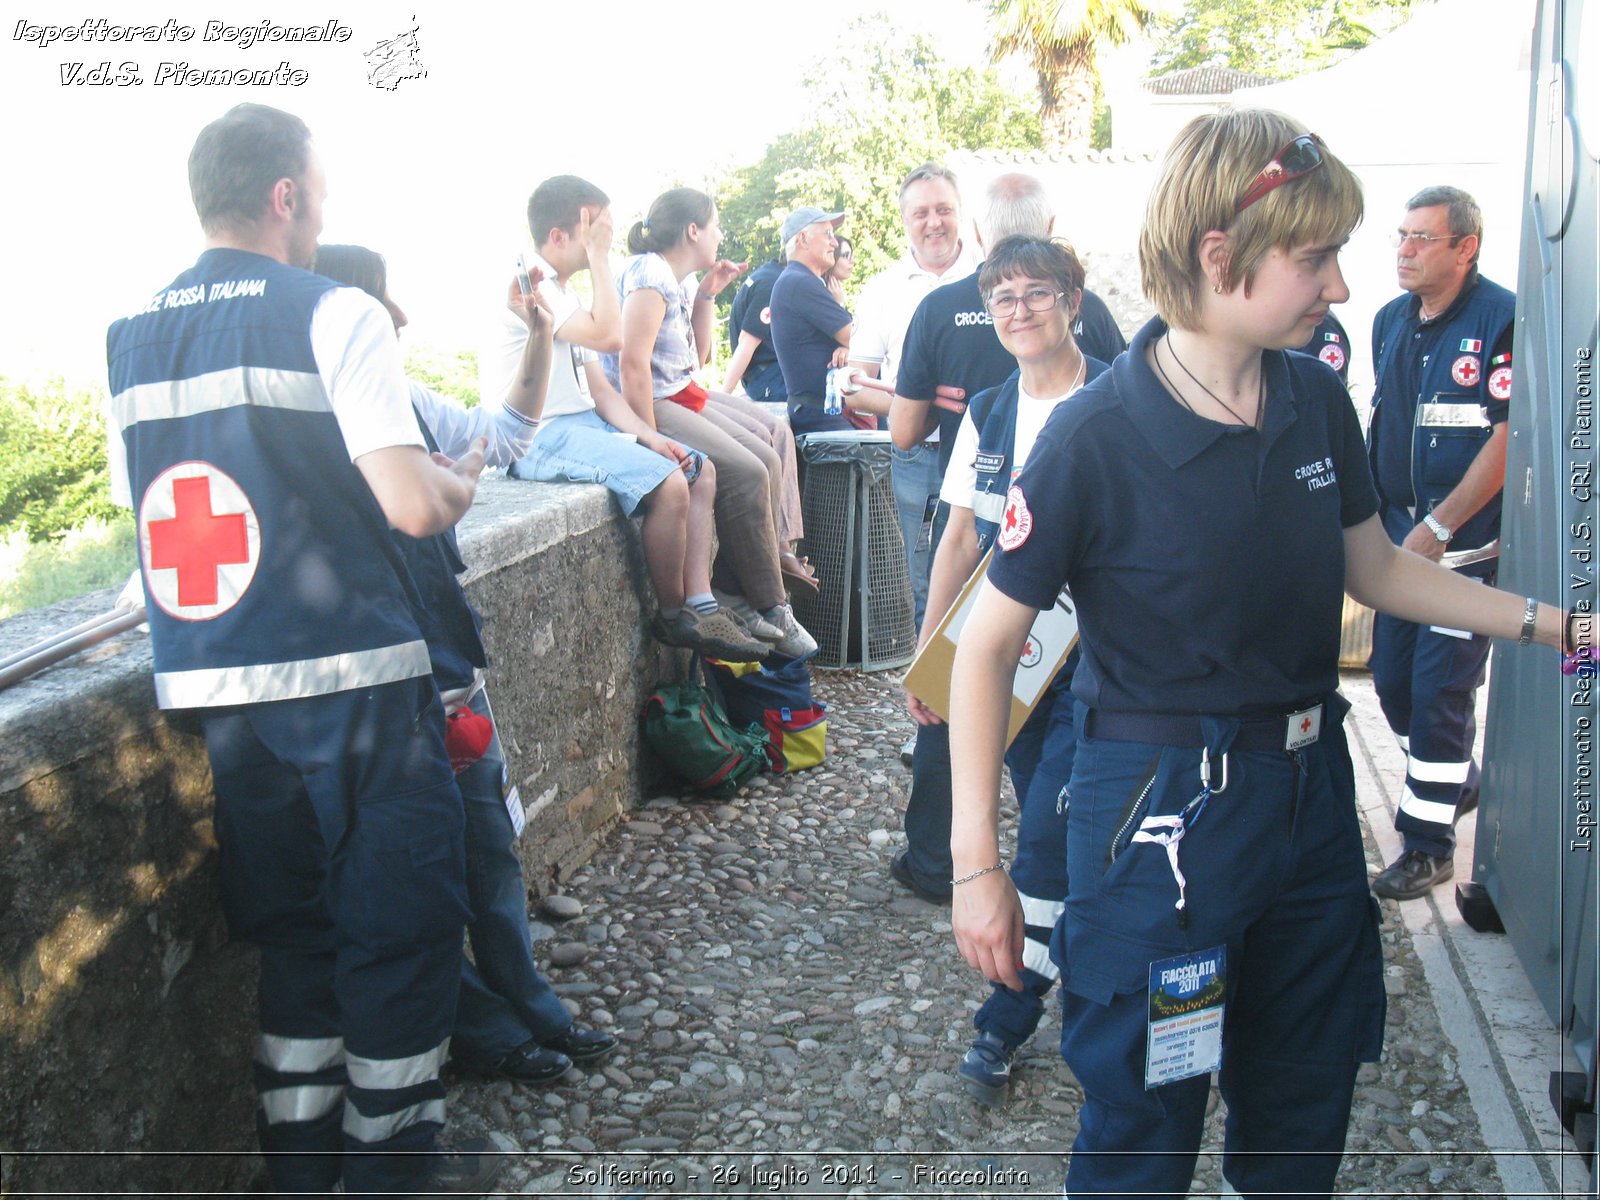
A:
(1400, 237)
(1036, 300)
(1300, 157)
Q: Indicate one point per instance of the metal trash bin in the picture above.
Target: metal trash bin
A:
(864, 615)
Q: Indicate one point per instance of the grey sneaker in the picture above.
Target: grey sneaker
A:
(796, 643)
(748, 616)
(717, 634)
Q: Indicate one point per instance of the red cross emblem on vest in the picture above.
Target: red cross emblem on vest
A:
(201, 541)
(1465, 370)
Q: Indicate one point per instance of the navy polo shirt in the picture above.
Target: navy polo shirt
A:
(1330, 343)
(750, 314)
(1206, 560)
(1402, 381)
(805, 316)
(951, 341)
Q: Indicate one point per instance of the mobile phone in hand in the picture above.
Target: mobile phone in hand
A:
(524, 280)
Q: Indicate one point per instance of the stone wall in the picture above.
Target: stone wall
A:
(126, 1014)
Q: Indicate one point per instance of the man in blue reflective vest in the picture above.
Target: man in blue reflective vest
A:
(1442, 364)
(263, 433)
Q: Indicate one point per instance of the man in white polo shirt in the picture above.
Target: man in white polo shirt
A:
(930, 207)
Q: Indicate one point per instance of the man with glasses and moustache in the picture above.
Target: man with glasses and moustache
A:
(1437, 443)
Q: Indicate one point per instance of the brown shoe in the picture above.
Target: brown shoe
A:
(717, 634)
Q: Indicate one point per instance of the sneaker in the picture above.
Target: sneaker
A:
(468, 1167)
(986, 1070)
(900, 868)
(748, 616)
(583, 1046)
(796, 643)
(718, 634)
(1411, 875)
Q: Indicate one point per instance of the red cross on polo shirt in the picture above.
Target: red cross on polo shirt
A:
(196, 542)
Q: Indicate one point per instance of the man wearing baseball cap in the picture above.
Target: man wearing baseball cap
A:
(810, 329)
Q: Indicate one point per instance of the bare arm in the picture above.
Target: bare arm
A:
(1392, 580)
(422, 494)
(642, 314)
(740, 363)
(721, 274)
(599, 327)
(1484, 479)
(529, 385)
(910, 422)
(614, 410)
(985, 912)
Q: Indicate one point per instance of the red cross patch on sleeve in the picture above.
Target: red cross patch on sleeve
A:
(1017, 522)
(1500, 383)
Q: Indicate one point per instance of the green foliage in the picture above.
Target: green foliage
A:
(53, 475)
(33, 574)
(885, 102)
(1280, 38)
(451, 373)
(1062, 42)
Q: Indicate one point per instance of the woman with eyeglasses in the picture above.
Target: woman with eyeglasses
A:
(1033, 290)
(844, 266)
(1207, 502)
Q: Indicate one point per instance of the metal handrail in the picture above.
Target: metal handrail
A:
(51, 650)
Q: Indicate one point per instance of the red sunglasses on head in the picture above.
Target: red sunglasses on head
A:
(1300, 157)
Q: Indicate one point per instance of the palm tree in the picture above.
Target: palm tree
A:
(1061, 38)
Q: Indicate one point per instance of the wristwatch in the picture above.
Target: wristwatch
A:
(1443, 532)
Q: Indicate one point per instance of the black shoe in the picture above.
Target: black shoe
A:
(1467, 805)
(529, 1063)
(901, 870)
(1411, 875)
(468, 1167)
(583, 1046)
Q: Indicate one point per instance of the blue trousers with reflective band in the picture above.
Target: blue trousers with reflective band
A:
(1040, 760)
(1275, 871)
(504, 1000)
(1427, 683)
(340, 835)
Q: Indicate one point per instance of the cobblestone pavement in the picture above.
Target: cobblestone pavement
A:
(791, 1019)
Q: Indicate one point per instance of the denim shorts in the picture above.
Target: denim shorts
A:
(584, 448)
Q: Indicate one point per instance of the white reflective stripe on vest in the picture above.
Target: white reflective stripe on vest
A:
(208, 687)
(988, 506)
(391, 1074)
(299, 1056)
(1414, 805)
(382, 1128)
(263, 387)
(282, 1105)
(1442, 772)
(1438, 415)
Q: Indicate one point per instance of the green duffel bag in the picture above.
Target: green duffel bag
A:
(684, 723)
